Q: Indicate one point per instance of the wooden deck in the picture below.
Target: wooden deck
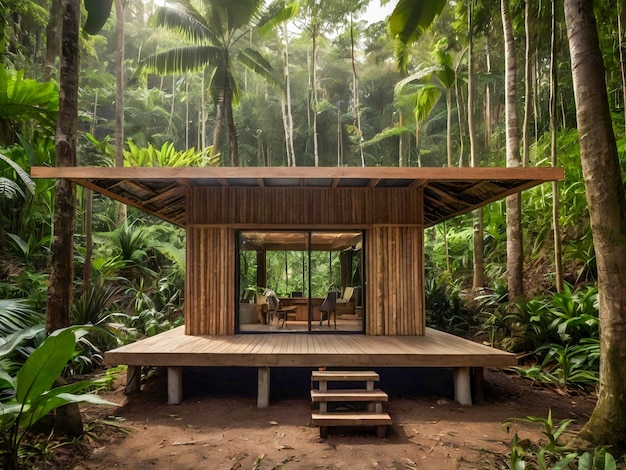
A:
(175, 350)
(435, 349)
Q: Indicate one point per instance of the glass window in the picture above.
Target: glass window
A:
(300, 281)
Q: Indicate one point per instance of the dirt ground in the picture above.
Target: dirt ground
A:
(218, 426)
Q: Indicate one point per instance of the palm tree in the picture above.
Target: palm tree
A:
(216, 33)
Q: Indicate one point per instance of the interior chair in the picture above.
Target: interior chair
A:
(274, 309)
(328, 308)
(347, 295)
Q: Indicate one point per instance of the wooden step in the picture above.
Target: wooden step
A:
(344, 375)
(348, 395)
(351, 418)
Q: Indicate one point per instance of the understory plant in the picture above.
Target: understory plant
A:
(558, 335)
(32, 393)
(445, 309)
(552, 454)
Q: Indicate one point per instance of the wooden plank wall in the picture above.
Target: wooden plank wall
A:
(210, 283)
(301, 206)
(392, 221)
(395, 284)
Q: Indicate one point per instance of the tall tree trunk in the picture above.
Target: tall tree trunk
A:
(622, 65)
(488, 117)
(53, 38)
(288, 114)
(448, 125)
(119, 97)
(527, 87)
(315, 99)
(60, 283)
(458, 93)
(232, 130)
(607, 209)
(356, 106)
(62, 247)
(556, 228)
(514, 248)
(477, 215)
(219, 118)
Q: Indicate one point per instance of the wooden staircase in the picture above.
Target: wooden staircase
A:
(374, 398)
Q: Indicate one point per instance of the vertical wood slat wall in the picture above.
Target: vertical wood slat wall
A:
(392, 219)
(395, 285)
(209, 287)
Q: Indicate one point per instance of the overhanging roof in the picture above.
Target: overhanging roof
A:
(447, 191)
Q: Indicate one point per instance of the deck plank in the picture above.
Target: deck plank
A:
(435, 349)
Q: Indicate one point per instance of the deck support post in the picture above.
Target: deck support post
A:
(462, 385)
(174, 385)
(133, 379)
(263, 393)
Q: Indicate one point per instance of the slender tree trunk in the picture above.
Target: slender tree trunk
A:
(356, 108)
(119, 98)
(488, 104)
(232, 130)
(53, 38)
(186, 112)
(339, 153)
(527, 86)
(219, 118)
(202, 117)
(291, 153)
(622, 65)
(88, 239)
(477, 236)
(607, 209)
(556, 228)
(514, 248)
(315, 99)
(459, 106)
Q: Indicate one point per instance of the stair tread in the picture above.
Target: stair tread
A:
(349, 395)
(350, 418)
(344, 375)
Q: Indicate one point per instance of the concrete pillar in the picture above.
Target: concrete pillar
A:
(462, 385)
(263, 393)
(174, 385)
(133, 379)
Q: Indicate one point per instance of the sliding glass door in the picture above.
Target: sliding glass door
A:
(300, 281)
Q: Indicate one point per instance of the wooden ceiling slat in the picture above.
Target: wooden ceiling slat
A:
(174, 192)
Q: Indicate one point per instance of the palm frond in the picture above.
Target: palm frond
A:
(9, 188)
(257, 63)
(23, 174)
(182, 59)
(189, 23)
(16, 314)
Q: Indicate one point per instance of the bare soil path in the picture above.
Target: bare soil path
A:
(215, 430)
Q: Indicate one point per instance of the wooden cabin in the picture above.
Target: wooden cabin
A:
(368, 223)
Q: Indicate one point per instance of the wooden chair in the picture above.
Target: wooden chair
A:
(328, 307)
(274, 308)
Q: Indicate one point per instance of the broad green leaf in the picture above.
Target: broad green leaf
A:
(44, 365)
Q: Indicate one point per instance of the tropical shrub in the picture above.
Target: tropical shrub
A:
(33, 394)
(445, 310)
(552, 454)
